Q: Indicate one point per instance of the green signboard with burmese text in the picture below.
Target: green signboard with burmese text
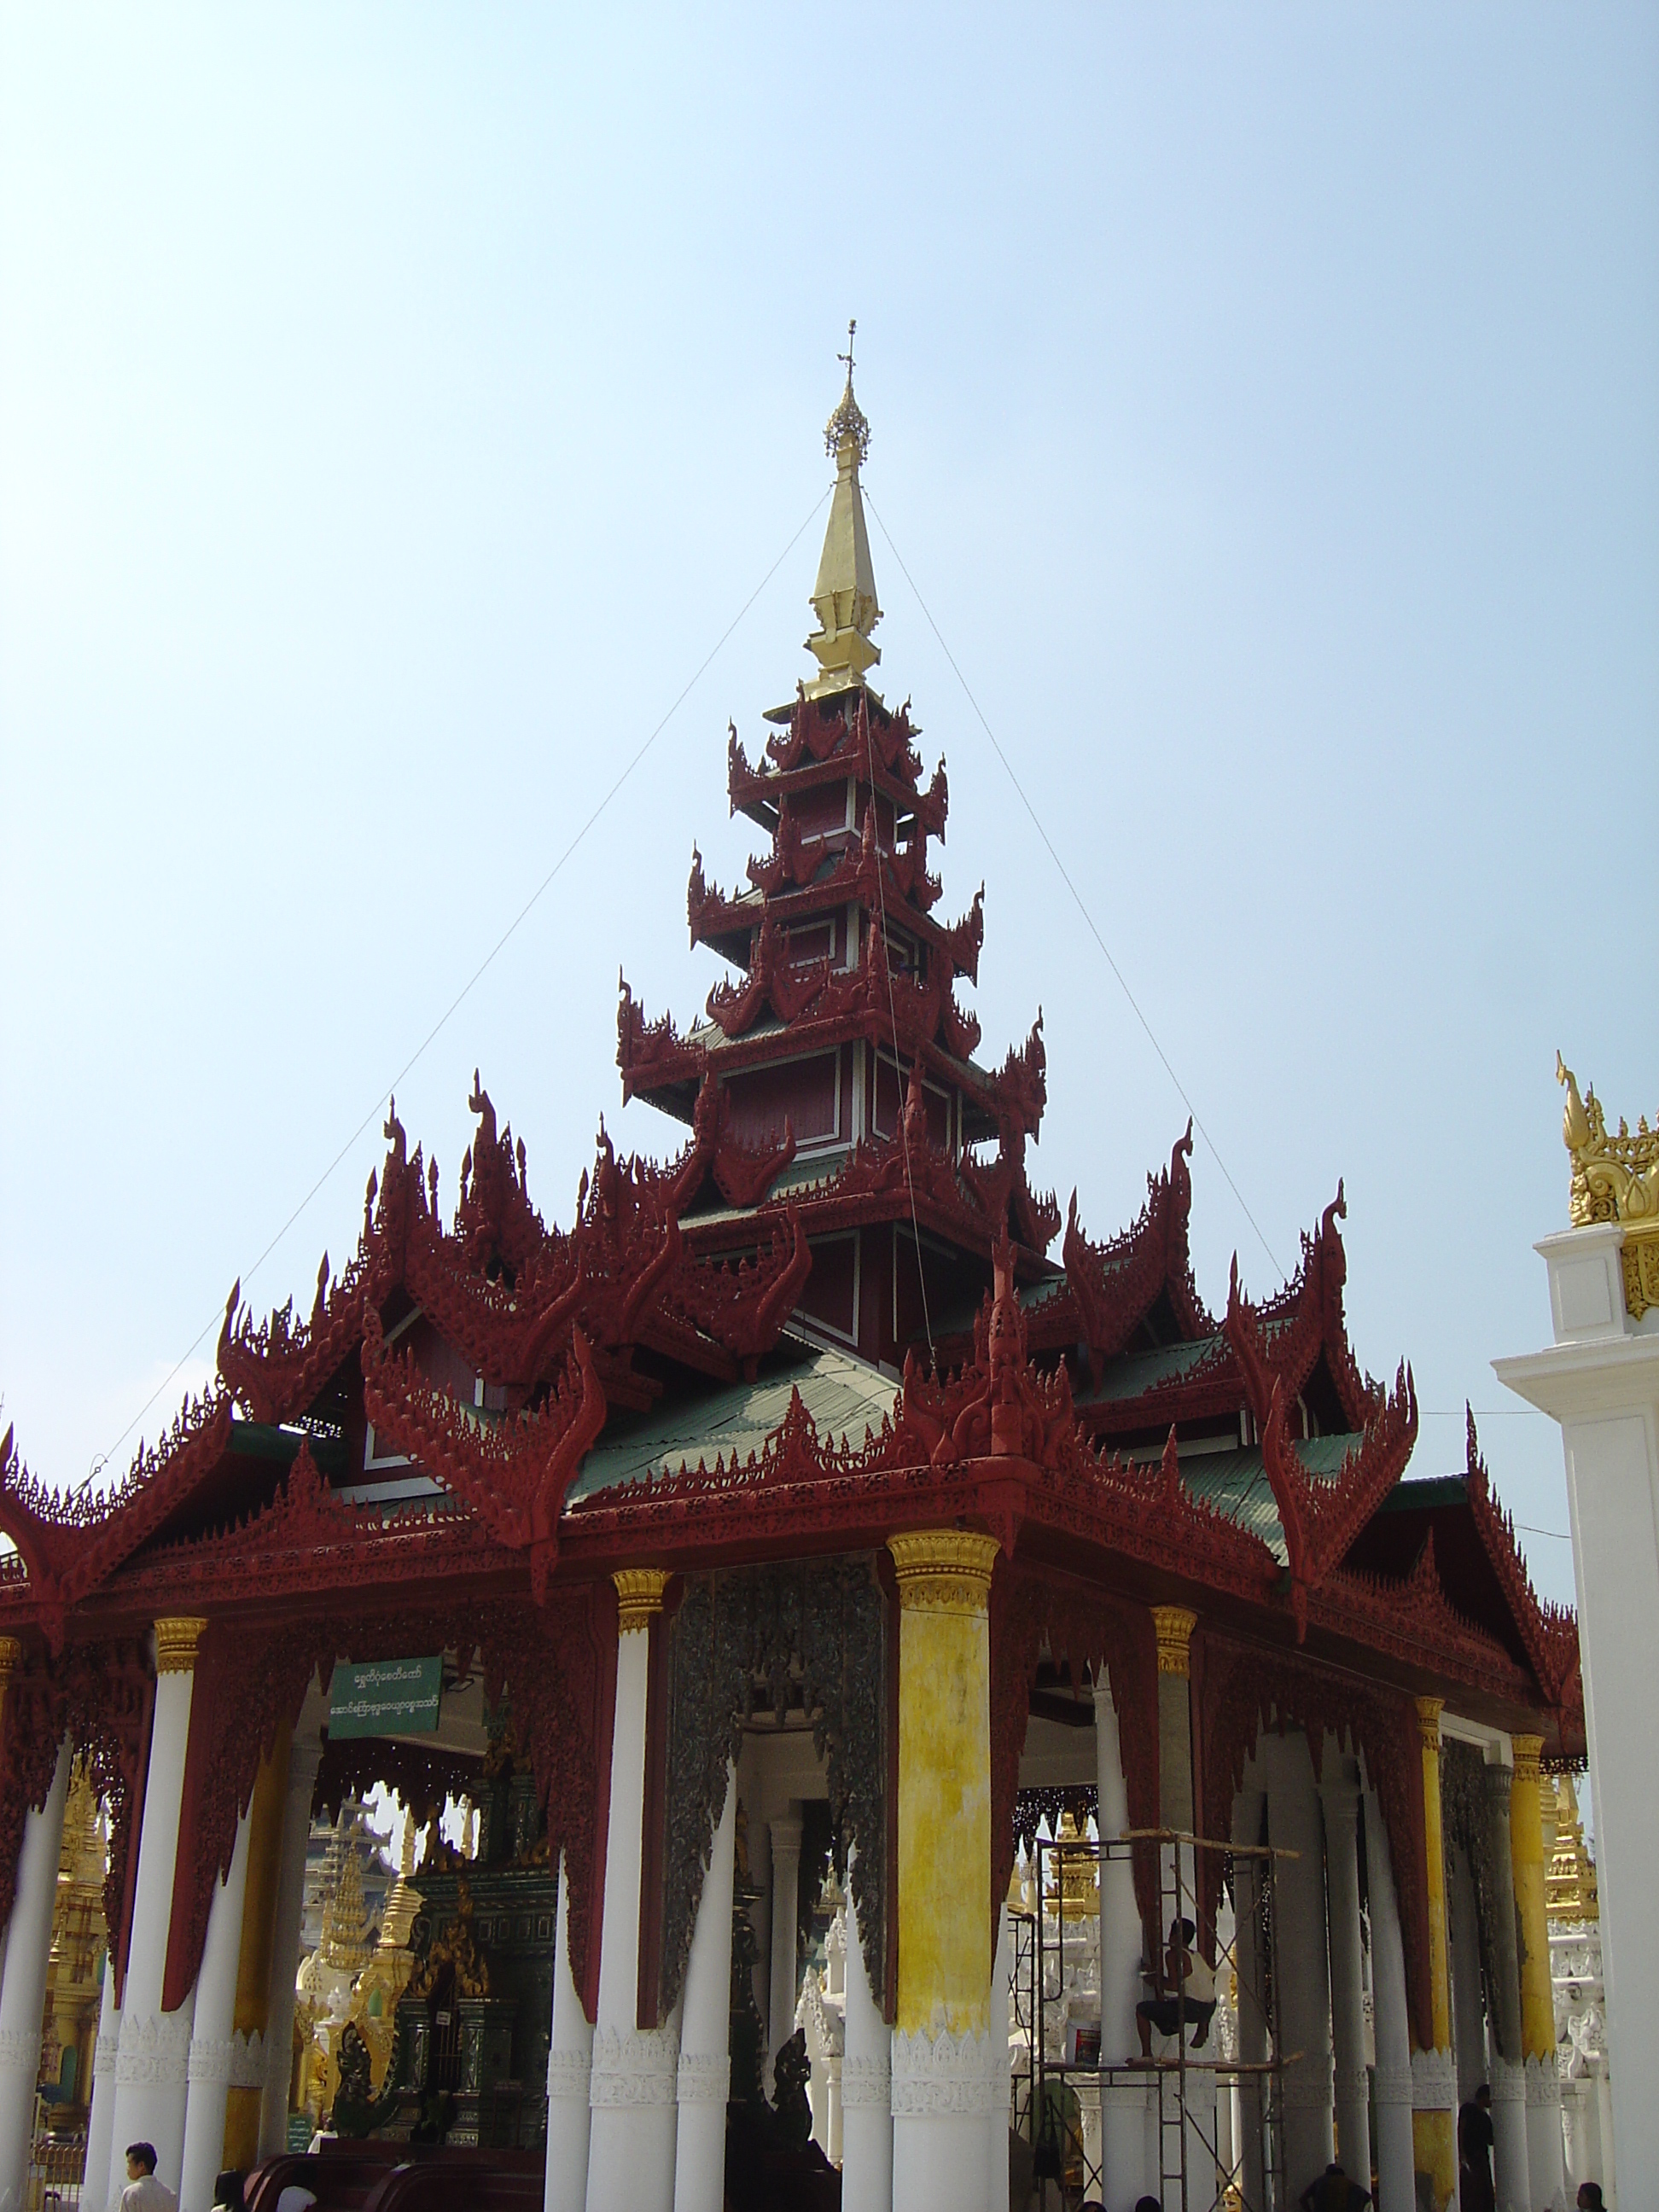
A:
(385, 1697)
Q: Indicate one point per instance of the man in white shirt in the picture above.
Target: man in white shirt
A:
(143, 2193)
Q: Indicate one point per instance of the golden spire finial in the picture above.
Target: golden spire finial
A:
(1614, 1179)
(844, 597)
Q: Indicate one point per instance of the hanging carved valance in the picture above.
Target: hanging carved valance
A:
(771, 1636)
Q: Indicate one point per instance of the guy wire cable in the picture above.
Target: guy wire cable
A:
(1077, 896)
(104, 1457)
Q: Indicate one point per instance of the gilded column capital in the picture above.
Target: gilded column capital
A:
(1428, 1710)
(176, 1640)
(11, 1658)
(1528, 1750)
(944, 1569)
(639, 1596)
(1173, 1626)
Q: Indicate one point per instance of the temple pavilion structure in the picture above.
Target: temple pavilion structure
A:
(820, 1489)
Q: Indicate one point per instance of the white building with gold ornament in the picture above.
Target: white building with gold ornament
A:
(1600, 1380)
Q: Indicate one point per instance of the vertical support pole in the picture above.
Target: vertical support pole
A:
(1396, 2157)
(251, 2013)
(1508, 2070)
(305, 1755)
(1434, 2072)
(866, 2083)
(941, 2042)
(100, 2118)
(630, 2148)
(210, 2046)
(1545, 2152)
(1340, 1796)
(785, 1836)
(705, 2063)
(1252, 1991)
(151, 2071)
(1304, 2009)
(23, 1990)
(996, 2134)
(1174, 1626)
(569, 2074)
(1123, 2175)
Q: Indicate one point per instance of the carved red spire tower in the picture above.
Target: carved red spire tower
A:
(834, 1069)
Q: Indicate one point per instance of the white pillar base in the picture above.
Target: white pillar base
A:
(23, 1985)
(942, 2093)
(1547, 2172)
(1397, 2155)
(701, 2087)
(1124, 2175)
(100, 2118)
(632, 2099)
(152, 2079)
(1509, 2128)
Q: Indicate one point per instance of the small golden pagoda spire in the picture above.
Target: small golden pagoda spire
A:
(844, 597)
(1571, 1886)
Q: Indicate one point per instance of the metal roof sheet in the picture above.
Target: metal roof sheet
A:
(842, 1394)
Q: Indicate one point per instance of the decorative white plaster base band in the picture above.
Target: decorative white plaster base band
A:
(866, 2084)
(210, 2062)
(1434, 2081)
(935, 2075)
(105, 2056)
(154, 2053)
(248, 2064)
(1394, 2086)
(19, 2051)
(1543, 2082)
(1307, 2088)
(1508, 2083)
(640, 2068)
(703, 2078)
(568, 2076)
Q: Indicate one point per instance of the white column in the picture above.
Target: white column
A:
(631, 2092)
(1600, 1379)
(569, 2074)
(1122, 2104)
(866, 2113)
(1304, 2011)
(100, 2116)
(1252, 1988)
(704, 2078)
(1507, 2074)
(1340, 1797)
(1396, 2156)
(210, 2046)
(786, 1883)
(304, 1755)
(996, 2136)
(151, 2070)
(23, 1990)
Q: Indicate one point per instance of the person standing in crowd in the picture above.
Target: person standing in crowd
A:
(143, 2193)
(1475, 2142)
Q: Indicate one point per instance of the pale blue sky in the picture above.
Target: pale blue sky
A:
(396, 404)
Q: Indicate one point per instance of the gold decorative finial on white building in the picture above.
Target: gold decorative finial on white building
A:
(844, 597)
(1614, 1179)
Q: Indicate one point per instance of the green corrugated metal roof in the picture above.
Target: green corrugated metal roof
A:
(1236, 1484)
(843, 1395)
(1138, 1372)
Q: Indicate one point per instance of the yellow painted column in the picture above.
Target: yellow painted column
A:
(1527, 1856)
(943, 1780)
(1434, 2121)
(264, 1859)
